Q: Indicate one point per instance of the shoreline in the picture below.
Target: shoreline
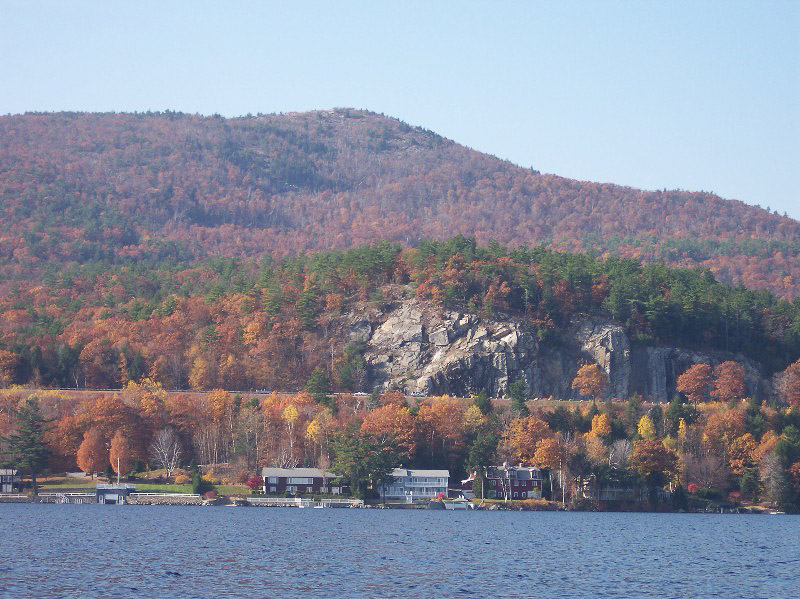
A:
(233, 501)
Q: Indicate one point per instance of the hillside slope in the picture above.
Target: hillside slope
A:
(111, 187)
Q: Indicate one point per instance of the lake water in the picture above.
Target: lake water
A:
(135, 551)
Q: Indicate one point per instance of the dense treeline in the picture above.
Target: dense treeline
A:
(120, 188)
(246, 324)
(718, 452)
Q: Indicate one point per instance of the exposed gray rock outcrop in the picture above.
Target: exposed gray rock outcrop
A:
(418, 348)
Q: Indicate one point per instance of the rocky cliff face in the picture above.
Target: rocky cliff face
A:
(418, 348)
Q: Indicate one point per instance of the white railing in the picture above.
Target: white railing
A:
(162, 495)
(286, 501)
(304, 502)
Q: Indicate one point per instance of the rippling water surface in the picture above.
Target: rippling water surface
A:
(134, 551)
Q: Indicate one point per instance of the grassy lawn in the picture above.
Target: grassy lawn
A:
(171, 488)
(162, 488)
(143, 487)
(68, 483)
(233, 489)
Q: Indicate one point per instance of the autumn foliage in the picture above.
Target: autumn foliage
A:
(120, 187)
(695, 383)
(92, 454)
(591, 380)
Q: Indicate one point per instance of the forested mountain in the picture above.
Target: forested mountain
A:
(270, 323)
(78, 190)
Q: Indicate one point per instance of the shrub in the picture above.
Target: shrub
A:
(712, 494)
(199, 486)
(181, 479)
(255, 482)
(208, 477)
(212, 494)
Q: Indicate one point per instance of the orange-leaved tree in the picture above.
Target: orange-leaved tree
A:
(655, 463)
(721, 428)
(393, 422)
(729, 381)
(522, 438)
(741, 452)
(123, 453)
(695, 383)
(92, 454)
(788, 385)
(590, 380)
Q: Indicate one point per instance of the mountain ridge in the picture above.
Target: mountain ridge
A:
(109, 186)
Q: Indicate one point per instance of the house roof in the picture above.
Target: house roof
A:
(398, 472)
(298, 472)
(514, 472)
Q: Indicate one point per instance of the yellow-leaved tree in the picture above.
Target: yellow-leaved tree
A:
(646, 428)
(601, 426)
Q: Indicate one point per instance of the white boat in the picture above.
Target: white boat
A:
(457, 504)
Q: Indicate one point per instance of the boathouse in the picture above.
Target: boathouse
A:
(9, 481)
(114, 493)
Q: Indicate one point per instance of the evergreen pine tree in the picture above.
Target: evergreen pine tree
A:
(26, 447)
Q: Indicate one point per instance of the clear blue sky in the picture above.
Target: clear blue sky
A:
(692, 95)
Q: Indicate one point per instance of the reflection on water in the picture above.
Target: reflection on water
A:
(130, 551)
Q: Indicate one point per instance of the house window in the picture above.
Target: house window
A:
(273, 480)
(515, 495)
(273, 490)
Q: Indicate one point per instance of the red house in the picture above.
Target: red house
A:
(300, 480)
(509, 482)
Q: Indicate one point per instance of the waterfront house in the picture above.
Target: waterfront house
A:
(616, 487)
(409, 484)
(513, 482)
(9, 481)
(300, 480)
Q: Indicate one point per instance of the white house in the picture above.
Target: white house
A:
(410, 484)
